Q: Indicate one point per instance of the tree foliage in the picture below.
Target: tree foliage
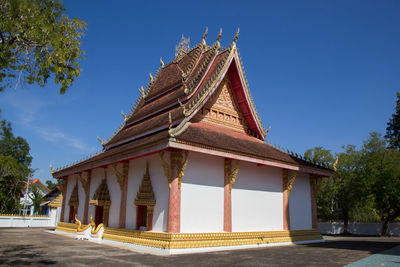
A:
(381, 168)
(37, 41)
(15, 163)
(50, 185)
(366, 180)
(393, 129)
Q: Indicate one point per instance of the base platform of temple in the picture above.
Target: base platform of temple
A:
(180, 243)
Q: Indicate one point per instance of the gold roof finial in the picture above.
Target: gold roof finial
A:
(151, 77)
(51, 168)
(182, 106)
(236, 36)
(267, 131)
(124, 116)
(335, 164)
(205, 36)
(101, 141)
(141, 90)
(219, 34)
(162, 63)
(170, 125)
(182, 72)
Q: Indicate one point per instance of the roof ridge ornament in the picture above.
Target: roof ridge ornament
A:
(205, 36)
(162, 62)
(151, 77)
(124, 116)
(219, 37)
(101, 141)
(236, 36)
(182, 48)
(170, 125)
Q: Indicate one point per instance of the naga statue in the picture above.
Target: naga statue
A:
(82, 233)
(97, 232)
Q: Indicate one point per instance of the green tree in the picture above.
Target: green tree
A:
(326, 206)
(339, 194)
(350, 191)
(37, 41)
(381, 168)
(15, 163)
(393, 129)
(50, 185)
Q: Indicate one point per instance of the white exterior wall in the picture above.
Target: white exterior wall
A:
(115, 197)
(97, 177)
(202, 194)
(137, 169)
(257, 199)
(300, 203)
(70, 186)
(81, 196)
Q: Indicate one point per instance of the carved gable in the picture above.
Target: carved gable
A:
(222, 109)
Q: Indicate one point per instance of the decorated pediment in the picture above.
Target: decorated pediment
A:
(102, 196)
(74, 199)
(222, 109)
(145, 195)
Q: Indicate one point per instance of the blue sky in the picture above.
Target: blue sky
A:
(322, 73)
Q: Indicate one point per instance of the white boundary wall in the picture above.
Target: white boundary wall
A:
(257, 199)
(18, 221)
(336, 228)
(202, 194)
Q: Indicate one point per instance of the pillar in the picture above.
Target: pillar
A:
(64, 194)
(124, 192)
(227, 197)
(313, 192)
(87, 197)
(286, 214)
(174, 204)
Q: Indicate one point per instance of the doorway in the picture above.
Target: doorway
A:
(98, 218)
(141, 217)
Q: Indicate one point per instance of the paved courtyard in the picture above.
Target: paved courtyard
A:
(36, 247)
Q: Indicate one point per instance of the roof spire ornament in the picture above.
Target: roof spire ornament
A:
(162, 63)
(236, 36)
(124, 116)
(141, 90)
(182, 106)
(51, 168)
(170, 125)
(205, 36)
(151, 77)
(182, 48)
(219, 37)
(182, 72)
(101, 141)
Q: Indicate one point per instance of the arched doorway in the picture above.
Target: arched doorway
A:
(102, 202)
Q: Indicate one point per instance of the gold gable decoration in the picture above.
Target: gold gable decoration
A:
(222, 109)
(74, 198)
(101, 196)
(56, 202)
(145, 195)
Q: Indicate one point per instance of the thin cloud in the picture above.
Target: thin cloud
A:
(29, 112)
(56, 137)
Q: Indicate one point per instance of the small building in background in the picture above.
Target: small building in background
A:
(51, 205)
(27, 197)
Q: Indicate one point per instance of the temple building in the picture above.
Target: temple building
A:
(189, 168)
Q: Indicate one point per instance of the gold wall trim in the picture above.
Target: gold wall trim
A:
(199, 240)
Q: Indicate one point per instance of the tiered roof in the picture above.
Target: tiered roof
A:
(182, 105)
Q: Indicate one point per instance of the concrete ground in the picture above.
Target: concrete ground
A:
(36, 247)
